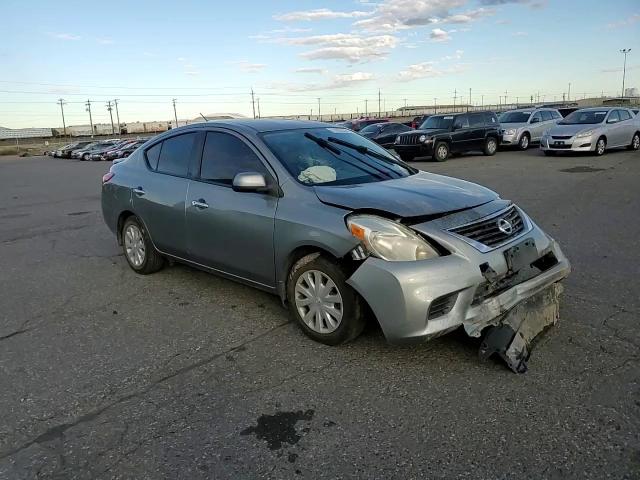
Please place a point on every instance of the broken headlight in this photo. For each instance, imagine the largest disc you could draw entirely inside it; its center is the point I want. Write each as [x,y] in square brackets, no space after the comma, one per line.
[389,240]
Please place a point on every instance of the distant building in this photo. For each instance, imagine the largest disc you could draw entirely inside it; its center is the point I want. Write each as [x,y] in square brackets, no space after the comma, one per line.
[631,92]
[7,133]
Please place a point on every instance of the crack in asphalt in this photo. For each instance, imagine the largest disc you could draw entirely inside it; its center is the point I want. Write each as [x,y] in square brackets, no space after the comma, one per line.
[17,332]
[56,432]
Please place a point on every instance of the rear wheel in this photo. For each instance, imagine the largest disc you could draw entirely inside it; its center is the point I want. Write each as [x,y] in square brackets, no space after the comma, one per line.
[635,142]
[490,146]
[601,146]
[140,253]
[406,157]
[85,157]
[524,142]
[441,152]
[326,308]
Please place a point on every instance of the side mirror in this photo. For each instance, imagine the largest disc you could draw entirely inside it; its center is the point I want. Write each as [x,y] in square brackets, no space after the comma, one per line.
[249,182]
[535,120]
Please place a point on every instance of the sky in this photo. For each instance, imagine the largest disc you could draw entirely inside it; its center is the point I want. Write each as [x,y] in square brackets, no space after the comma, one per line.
[209,55]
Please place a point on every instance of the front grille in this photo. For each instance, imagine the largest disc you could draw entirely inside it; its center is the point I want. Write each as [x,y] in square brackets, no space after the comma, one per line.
[561,137]
[565,147]
[488,232]
[442,305]
[410,139]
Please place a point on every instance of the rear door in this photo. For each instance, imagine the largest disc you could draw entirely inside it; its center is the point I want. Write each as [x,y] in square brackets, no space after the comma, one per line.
[627,126]
[460,136]
[159,195]
[227,230]
[477,131]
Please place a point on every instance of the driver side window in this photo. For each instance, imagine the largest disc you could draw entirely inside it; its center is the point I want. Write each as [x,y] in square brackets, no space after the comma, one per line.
[613,117]
[537,117]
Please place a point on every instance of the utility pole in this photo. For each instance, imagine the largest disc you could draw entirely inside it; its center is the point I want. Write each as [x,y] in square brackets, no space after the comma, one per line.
[253,103]
[113,131]
[366,107]
[64,125]
[569,92]
[624,51]
[319,118]
[435,105]
[405,103]
[469,100]
[258,100]
[505,99]
[175,115]
[482,104]
[88,105]
[455,96]
[379,111]
[117,113]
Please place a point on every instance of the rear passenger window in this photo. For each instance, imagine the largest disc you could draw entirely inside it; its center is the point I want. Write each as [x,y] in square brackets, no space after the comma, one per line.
[546,116]
[225,156]
[490,118]
[476,120]
[175,154]
[624,115]
[153,154]
[461,122]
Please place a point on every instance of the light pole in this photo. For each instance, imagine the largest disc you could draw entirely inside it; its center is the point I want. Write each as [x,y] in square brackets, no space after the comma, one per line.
[88,105]
[64,125]
[624,51]
[117,113]
[175,115]
[113,131]
[319,118]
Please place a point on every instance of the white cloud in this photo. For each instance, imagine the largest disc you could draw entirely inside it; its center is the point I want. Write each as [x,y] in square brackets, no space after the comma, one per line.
[456,56]
[249,67]
[635,18]
[427,70]
[320,71]
[338,81]
[439,35]
[401,14]
[318,14]
[105,41]
[65,36]
[348,79]
[520,34]
[345,46]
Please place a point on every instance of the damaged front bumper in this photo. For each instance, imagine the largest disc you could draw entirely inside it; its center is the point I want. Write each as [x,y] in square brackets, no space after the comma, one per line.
[421,300]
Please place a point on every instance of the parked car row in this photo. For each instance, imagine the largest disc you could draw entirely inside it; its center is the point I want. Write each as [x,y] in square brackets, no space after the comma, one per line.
[439,136]
[111,149]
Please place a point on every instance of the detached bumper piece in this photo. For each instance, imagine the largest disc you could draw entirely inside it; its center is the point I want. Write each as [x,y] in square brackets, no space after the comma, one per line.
[514,337]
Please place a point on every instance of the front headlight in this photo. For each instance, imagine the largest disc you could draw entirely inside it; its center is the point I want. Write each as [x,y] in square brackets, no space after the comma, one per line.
[389,240]
[422,138]
[588,133]
[510,131]
[398,139]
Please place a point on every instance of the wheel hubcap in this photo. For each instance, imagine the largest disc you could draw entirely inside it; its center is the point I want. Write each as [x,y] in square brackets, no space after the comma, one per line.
[525,141]
[134,245]
[600,146]
[442,152]
[318,301]
[491,146]
[636,142]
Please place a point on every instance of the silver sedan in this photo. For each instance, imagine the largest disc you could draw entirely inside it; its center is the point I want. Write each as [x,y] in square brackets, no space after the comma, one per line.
[593,130]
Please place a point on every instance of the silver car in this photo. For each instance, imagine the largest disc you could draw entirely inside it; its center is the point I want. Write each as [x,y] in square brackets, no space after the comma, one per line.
[336,226]
[593,130]
[523,127]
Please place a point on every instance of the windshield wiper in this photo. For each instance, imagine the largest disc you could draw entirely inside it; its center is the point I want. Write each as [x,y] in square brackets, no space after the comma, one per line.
[367,151]
[322,142]
[325,144]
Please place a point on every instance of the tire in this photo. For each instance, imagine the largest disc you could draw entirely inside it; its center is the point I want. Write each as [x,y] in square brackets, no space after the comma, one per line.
[524,142]
[406,157]
[304,300]
[490,146]
[549,153]
[85,157]
[151,260]
[635,142]
[441,152]
[601,147]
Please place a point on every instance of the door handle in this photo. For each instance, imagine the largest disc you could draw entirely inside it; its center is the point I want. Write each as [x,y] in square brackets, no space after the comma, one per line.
[139,191]
[201,204]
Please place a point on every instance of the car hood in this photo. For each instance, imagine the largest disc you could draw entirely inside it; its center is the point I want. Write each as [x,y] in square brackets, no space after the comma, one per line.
[422,194]
[572,129]
[507,126]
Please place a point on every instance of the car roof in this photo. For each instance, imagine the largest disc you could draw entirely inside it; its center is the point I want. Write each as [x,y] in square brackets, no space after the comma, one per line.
[599,109]
[264,125]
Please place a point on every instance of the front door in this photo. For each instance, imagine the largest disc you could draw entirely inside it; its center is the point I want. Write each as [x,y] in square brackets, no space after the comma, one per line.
[477,131]
[461,135]
[231,231]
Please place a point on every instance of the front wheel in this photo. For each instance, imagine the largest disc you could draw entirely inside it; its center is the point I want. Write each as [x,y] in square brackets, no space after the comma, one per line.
[635,142]
[524,142]
[441,152]
[601,147]
[490,146]
[140,253]
[327,309]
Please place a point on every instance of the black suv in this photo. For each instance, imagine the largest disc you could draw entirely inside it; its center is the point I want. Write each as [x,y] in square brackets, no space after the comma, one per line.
[441,135]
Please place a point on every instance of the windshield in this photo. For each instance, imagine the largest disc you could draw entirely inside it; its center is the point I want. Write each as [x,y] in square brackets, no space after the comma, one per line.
[370,129]
[443,122]
[311,163]
[514,117]
[584,117]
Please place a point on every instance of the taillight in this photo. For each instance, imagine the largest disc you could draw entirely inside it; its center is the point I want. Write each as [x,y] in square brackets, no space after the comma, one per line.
[107,176]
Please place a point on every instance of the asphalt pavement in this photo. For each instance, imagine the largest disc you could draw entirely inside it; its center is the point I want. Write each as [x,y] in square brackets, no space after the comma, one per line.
[181,374]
